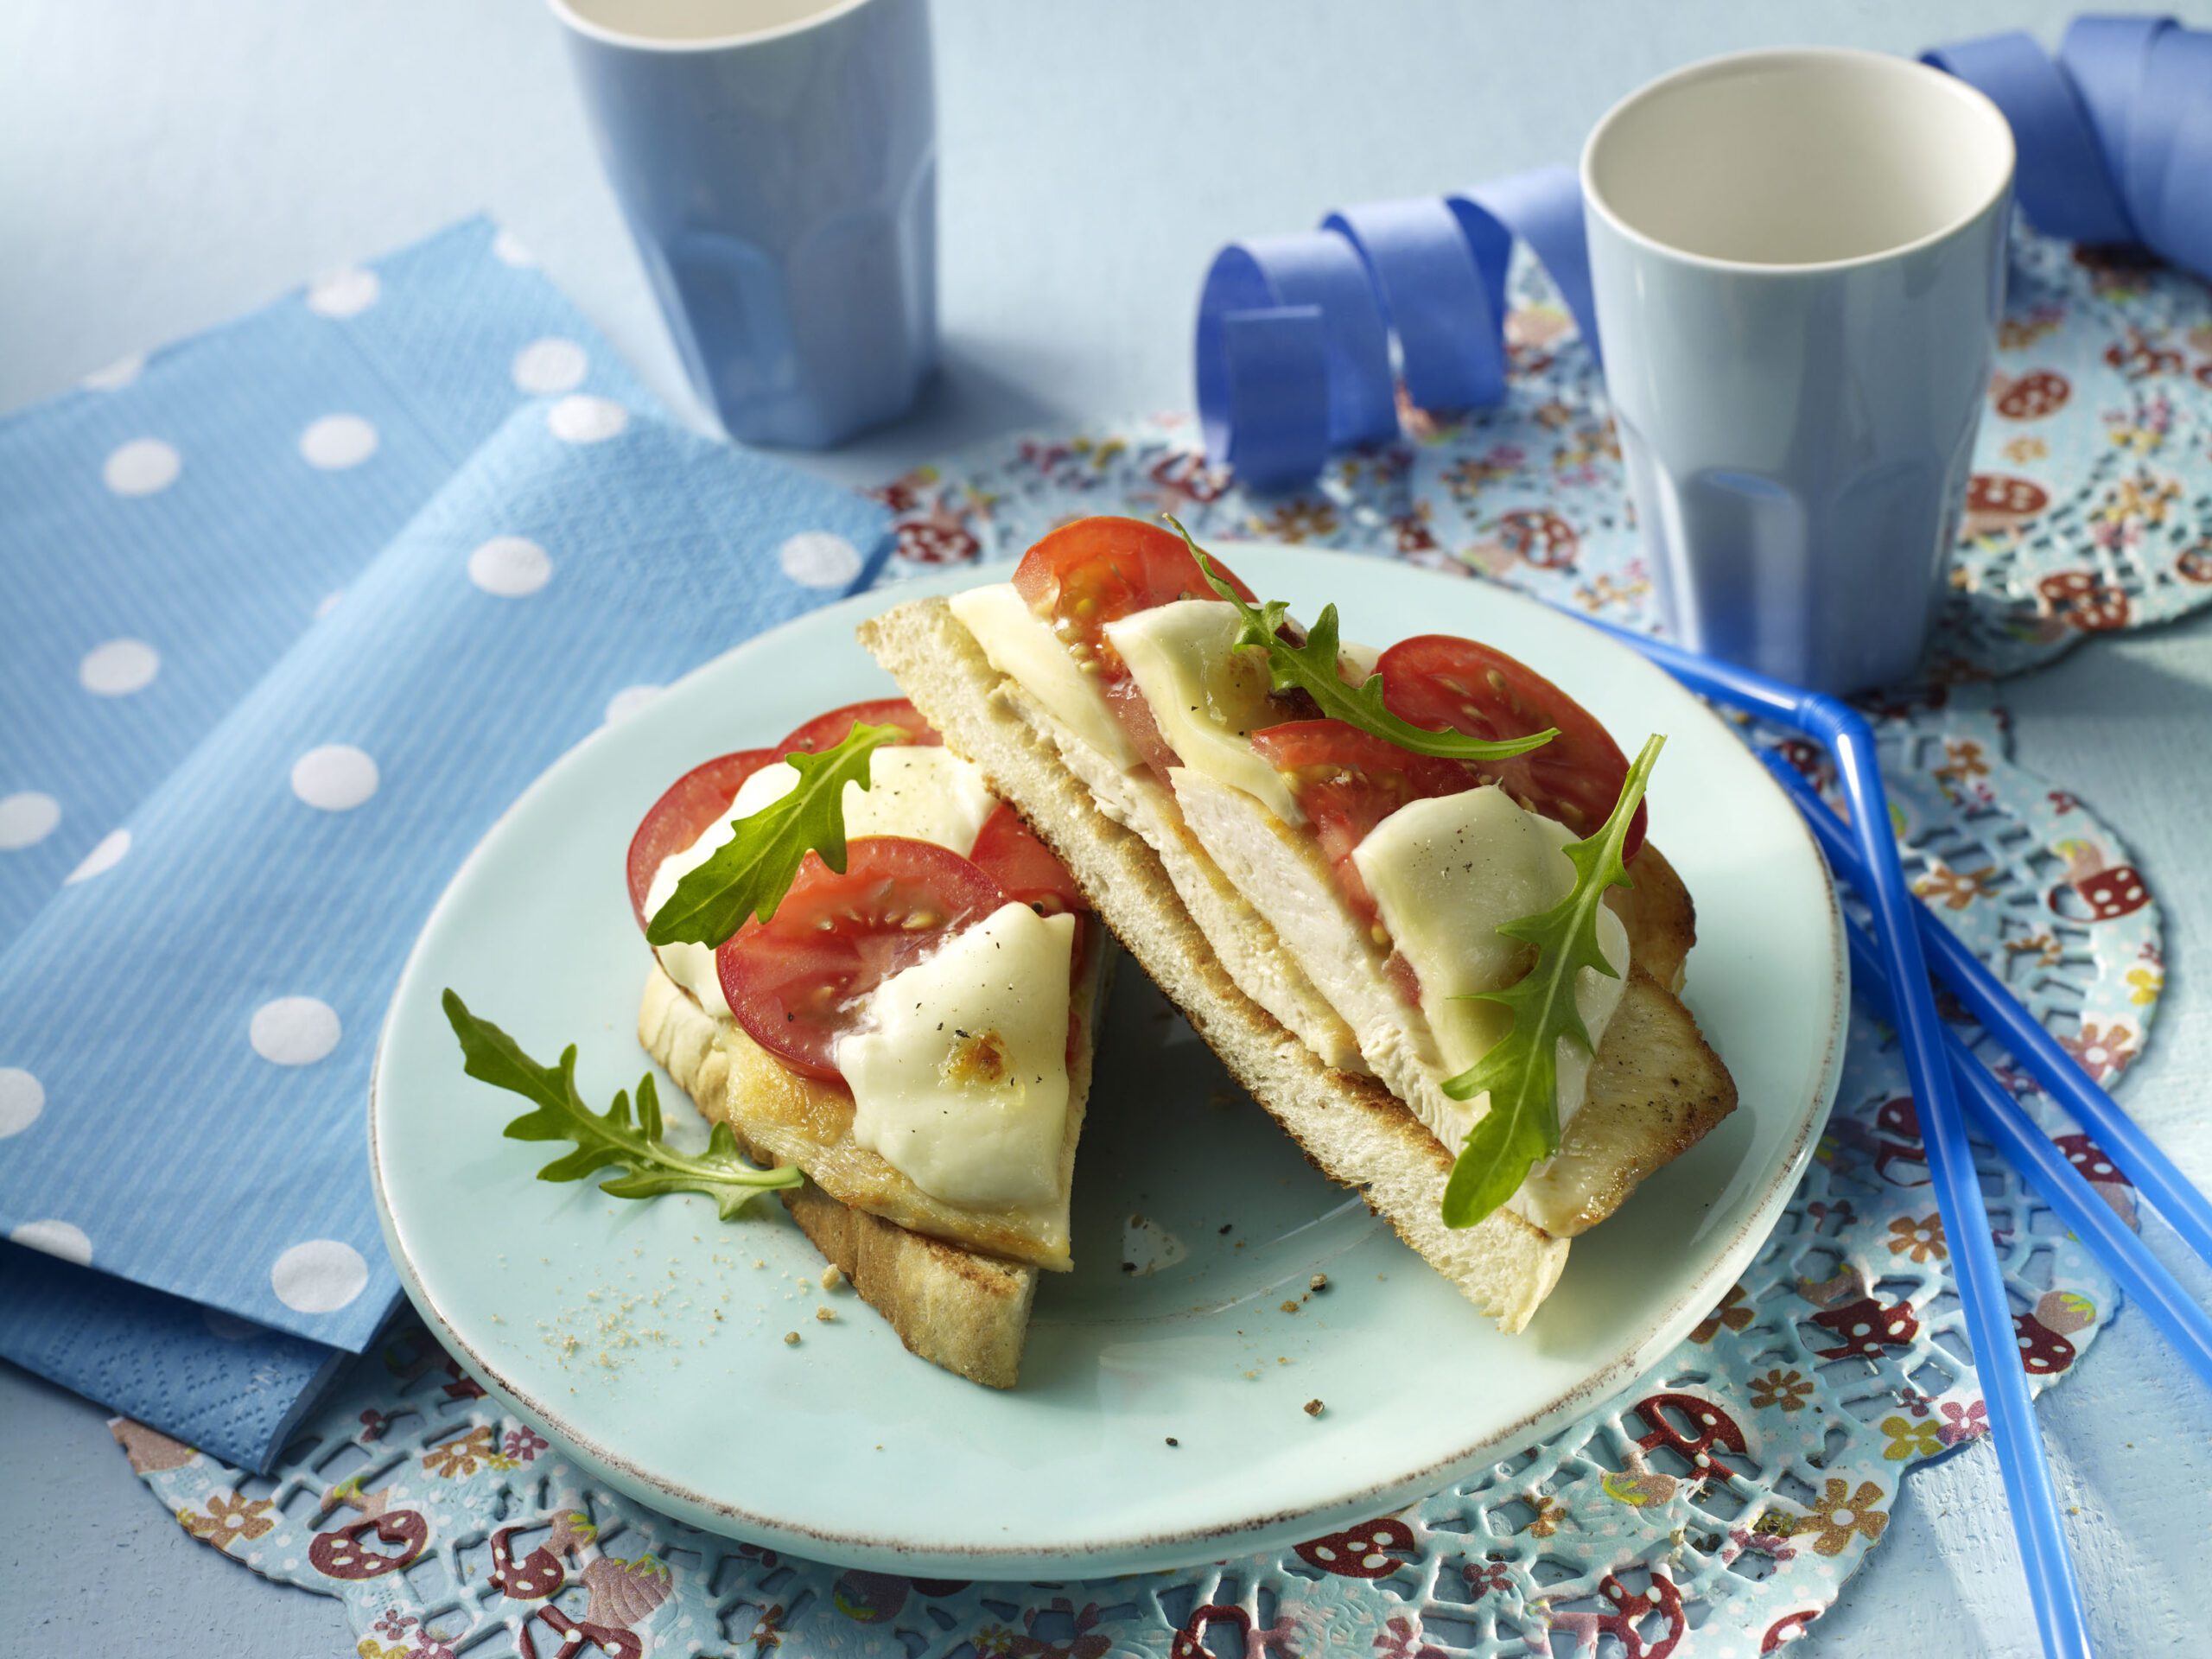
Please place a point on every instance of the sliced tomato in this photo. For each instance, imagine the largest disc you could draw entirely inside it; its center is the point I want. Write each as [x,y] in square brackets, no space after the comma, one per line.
[1008,851]
[792,982]
[1346,782]
[827,731]
[1098,570]
[1439,681]
[682,815]
[1095,571]
[694,801]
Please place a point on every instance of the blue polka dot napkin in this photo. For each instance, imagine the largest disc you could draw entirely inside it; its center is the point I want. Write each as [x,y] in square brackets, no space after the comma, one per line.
[294,609]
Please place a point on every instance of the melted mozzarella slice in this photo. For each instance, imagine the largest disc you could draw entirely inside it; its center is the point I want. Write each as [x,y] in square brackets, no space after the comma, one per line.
[927,794]
[1207,694]
[959,1071]
[1021,647]
[1445,873]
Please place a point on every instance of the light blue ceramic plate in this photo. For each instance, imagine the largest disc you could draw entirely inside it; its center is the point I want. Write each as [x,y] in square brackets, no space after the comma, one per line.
[1161,1418]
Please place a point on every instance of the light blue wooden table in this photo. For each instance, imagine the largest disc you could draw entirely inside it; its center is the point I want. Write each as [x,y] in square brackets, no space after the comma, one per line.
[165,164]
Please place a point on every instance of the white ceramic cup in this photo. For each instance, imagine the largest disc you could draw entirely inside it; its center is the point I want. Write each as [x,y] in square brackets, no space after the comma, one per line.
[1799,262]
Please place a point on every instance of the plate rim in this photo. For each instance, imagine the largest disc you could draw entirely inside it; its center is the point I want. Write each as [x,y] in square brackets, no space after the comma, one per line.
[1130,1550]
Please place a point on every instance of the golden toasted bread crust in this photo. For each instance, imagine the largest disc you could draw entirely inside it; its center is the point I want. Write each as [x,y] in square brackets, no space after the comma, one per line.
[955,1307]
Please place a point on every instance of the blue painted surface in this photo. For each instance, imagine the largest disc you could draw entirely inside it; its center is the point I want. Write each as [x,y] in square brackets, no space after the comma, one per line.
[165,168]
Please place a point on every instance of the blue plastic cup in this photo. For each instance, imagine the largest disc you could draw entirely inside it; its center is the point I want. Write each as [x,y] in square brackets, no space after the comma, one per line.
[777,163]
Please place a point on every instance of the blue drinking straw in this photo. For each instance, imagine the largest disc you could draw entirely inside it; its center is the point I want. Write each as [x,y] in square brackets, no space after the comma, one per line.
[2186,1209]
[2064,1187]
[1843,731]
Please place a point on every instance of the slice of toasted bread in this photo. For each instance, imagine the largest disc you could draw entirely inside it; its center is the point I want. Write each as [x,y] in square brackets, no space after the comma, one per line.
[795,1120]
[959,1308]
[1602,1156]
[1190,930]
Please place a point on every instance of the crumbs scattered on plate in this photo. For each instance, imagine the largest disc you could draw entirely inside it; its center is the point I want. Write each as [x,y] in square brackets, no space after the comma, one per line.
[628,1315]
[615,1322]
[1315,1407]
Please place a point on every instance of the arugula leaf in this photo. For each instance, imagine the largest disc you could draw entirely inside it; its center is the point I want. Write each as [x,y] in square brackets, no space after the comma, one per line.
[605,1140]
[751,872]
[1520,1071]
[1312,668]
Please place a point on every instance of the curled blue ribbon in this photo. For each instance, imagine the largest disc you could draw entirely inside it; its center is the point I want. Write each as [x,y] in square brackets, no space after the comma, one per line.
[1296,333]
[1302,341]
[2115,134]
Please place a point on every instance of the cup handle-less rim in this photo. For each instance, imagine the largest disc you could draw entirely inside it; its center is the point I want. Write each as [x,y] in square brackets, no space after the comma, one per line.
[575,21]
[1973,97]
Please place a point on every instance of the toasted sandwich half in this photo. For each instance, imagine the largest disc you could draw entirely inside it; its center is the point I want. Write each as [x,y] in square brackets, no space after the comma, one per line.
[1322,904]
[915,1032]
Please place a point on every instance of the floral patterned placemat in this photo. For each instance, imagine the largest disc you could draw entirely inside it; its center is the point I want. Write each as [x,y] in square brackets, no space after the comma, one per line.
[1717,1508]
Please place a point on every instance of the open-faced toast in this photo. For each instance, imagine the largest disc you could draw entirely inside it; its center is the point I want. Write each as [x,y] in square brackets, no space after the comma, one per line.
[963,1309]
[1653,1088]
[937,1176]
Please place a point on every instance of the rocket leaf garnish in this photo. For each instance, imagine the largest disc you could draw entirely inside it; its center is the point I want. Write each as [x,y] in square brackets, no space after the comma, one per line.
[750,872]
[1313,668]
[608,1140]
[1519,1073]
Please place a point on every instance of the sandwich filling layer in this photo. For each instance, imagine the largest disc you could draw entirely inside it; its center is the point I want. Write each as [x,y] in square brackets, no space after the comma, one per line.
[958,1065]
[928,793]
[1094,741]
[1395,928]
[956,1062]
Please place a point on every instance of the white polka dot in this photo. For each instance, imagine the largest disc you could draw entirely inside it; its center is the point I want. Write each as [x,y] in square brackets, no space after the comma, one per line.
[626,702]
[228,1326]
[62,1238]
[336,776]
[26,818]
[22,1097]
[510,566]
[319,1276]
[507,248]
[142,466]
[343,293]
[337,442]
[103,858]
[815,558]
[582,418]
[549,365]
[328,604]
[119,668]
[117,374]
[293,1030]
